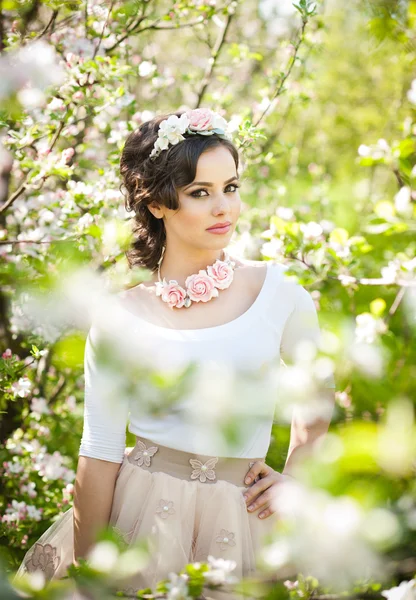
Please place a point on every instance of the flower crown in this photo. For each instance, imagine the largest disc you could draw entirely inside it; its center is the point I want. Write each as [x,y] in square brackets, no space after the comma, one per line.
[202,121]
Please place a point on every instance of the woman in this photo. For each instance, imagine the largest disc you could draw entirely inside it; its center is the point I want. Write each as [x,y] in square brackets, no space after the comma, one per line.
[184,486]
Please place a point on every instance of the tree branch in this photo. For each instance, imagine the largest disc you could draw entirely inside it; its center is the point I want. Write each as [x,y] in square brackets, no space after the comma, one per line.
[49,24]
[97,47]
[25,184]
[292,60]
[213,59]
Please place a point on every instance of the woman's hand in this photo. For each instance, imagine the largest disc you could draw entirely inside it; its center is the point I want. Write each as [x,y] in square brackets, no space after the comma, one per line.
[261,493]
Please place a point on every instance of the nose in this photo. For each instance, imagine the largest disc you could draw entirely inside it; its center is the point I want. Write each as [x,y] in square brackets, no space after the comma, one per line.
[222,205]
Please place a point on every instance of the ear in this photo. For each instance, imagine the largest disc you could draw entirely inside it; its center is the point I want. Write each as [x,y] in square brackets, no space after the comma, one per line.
[156,210]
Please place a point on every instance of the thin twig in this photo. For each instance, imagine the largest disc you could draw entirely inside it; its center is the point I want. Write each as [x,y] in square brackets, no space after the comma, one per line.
[153,26]
[396,303]
[282,81]
[49,24]
[103,30]
[25,184]
[57,390]
[5,242]
[213,59]
[132,27]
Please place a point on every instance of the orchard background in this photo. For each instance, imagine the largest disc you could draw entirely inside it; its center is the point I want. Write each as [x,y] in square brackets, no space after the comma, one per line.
[322,102]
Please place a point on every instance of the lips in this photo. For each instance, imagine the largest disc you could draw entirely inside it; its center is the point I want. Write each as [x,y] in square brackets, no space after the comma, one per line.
[217,230]
[218,226]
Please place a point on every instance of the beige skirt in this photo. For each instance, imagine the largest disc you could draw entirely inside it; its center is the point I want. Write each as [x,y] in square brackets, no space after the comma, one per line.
[186,506]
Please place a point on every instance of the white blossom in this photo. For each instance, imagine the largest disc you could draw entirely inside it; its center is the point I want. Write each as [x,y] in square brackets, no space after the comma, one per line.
[177,587]
[39,406]
[407,589]
[368,327]
[34,513]
[284,212]
[402,200]
[272,249]
[411,94]
[220,570]
[311,230]
[22,387]
[146,68]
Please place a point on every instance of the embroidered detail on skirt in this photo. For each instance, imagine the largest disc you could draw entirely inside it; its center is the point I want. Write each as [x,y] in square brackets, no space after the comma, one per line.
[144,455]
[225,539]
[203,471]
[165,509]
[44,558]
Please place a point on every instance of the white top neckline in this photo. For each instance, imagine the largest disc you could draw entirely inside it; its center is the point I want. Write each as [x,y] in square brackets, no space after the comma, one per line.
[210,332]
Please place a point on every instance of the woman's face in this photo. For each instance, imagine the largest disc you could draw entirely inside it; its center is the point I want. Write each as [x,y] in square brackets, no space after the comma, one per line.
[203,205]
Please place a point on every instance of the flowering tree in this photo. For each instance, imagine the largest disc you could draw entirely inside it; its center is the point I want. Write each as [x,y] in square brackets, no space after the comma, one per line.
[328,141]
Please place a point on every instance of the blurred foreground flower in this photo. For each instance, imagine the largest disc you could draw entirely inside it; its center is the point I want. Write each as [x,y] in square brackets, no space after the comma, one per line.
[322,535]
[30,70]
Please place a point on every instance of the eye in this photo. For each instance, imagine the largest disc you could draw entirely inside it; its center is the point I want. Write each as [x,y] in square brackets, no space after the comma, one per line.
[234,185]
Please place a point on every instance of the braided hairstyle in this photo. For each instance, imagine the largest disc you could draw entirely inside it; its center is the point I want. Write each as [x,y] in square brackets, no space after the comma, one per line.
[146,181]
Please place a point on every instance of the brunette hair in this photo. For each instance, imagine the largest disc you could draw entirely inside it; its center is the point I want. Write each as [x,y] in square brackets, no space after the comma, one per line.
[147,181]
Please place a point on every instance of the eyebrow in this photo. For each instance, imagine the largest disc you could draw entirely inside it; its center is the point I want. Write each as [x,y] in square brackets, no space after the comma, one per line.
[208,183]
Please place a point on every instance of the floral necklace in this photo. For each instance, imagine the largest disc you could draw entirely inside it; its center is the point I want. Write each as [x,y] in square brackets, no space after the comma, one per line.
[201,287]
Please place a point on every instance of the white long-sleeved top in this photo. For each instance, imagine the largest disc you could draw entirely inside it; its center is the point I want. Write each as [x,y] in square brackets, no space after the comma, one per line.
[236,383]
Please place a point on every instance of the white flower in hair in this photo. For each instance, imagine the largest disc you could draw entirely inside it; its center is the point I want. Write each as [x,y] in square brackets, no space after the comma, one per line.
[170,132]
[202,121]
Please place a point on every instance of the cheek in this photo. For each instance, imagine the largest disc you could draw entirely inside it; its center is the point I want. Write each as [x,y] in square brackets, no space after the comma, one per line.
[190,214]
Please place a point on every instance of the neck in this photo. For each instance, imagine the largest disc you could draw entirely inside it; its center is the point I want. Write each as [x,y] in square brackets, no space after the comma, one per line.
[179,265]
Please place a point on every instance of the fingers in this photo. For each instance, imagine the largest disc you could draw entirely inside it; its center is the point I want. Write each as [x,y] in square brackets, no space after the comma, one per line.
[262,501]
[251,494]
[259,468]
[260,495]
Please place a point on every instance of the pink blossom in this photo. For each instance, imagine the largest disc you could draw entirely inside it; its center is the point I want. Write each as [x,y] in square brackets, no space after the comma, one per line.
[13,467]
[43,152]
[56,105]
[221,273]
[39,406]
[72,59]
[67,154]
[173,294]
[7,353]
[71,403]
[29,489]
[200,119]
[78,95]
[67,493]
[201,287]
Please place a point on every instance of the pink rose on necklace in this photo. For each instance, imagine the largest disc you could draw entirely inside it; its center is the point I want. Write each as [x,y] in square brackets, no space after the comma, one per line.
[172,293]
[221,273]
[200,119]
[201,287]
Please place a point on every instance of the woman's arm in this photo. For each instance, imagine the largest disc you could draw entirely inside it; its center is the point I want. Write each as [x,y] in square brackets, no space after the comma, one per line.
[93,498]
[303,325]
[102,446]
[304,435]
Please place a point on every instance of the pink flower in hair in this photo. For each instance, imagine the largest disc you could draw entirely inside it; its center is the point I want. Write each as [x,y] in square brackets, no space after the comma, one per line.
[221,273]
[200,119]
[201,287]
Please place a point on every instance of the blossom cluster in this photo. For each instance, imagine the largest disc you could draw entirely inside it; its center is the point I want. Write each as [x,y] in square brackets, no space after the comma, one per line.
[18,511]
